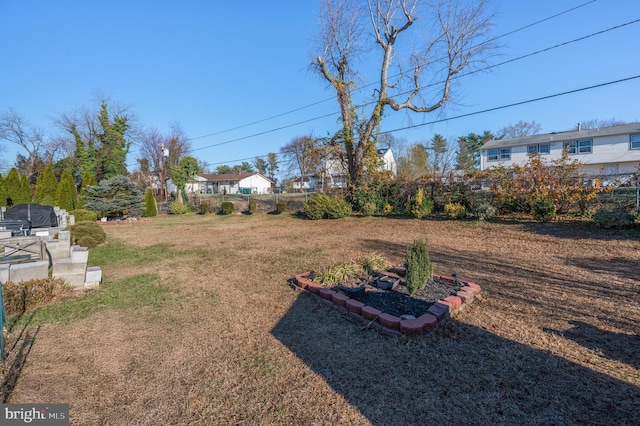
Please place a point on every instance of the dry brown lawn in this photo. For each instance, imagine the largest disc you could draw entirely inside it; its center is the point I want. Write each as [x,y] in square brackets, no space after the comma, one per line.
[555,341]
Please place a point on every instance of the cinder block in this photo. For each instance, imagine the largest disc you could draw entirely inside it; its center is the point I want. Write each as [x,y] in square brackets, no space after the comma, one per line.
[58,249]
[72,220]
[4,272]
[29,271]
[66,266]
[64,236]
[76,281]
[93,277]
[79,254]
[5,234]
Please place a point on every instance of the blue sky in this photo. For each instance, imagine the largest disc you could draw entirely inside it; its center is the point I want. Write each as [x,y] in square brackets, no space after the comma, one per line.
[212,66]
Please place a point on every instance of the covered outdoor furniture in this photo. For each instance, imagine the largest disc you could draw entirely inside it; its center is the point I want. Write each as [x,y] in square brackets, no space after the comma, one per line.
[40,216]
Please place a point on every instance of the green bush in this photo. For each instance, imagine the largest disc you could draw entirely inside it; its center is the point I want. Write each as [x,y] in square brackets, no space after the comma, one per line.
[252,207]
[339,273]
[484,211]
[205,207]
[373,263]
[87,234]
[455,211]
[543,210]
[418,266]
[419,206]
[614,218]
[82,215]
[226,207]
[322,206]
[178,208]
[281,206]
[150,209]
[26,296]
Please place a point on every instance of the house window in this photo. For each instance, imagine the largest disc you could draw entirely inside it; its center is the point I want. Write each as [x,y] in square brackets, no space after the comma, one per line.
[499,154]
[579,147]
[539,149]
[635,141]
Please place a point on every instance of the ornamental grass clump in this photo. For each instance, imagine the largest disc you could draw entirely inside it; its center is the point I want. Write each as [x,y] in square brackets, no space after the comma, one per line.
[418,266]
[281,206]
[25,296]
[373,263]
[339,273]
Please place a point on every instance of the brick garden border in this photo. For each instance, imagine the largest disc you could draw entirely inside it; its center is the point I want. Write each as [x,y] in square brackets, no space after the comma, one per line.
[439,312]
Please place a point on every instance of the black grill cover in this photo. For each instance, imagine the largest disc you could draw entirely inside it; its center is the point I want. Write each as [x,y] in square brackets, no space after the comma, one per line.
[40,216]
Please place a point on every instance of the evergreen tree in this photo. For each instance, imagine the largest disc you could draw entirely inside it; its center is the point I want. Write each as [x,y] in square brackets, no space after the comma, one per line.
[24,195]
[464,156]
[66,195]
[150,204]
[87,180]
[46,187]
[113,150]
[12,182]
[3,192]
[115,197]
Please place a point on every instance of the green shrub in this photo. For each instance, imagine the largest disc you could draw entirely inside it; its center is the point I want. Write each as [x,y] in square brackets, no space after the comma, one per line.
[387,210]
[227,207]
[455,211]
[322,206]
[614,218]
[543,210]
[338,273]
[373,263]
[281,206]
[178,208]
[484,211]
[205,207]
[252,207]
[419,206]
[150,209]
[418,266]
[82,215]
[89,233]
[26,296]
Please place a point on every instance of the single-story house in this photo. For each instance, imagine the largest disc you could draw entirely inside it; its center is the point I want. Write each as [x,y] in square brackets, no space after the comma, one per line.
[606,151]
[236,183]
[336,175]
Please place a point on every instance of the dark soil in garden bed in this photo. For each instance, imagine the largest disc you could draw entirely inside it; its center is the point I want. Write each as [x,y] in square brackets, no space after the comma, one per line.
[398,302]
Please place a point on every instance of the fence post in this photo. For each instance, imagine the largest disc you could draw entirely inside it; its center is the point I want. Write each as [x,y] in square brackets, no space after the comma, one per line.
[2,321]
[638,192]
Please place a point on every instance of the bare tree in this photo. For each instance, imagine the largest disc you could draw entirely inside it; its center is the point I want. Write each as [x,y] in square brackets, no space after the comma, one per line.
[595,123]
[519,130]
[15,129]
[302,156]
[454,34]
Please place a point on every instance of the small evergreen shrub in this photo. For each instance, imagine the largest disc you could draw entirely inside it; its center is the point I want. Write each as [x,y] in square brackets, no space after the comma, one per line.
[322,206]
[178,208]
[418,266]
[205,207]
[419,206]
[543,210]
[281,207]
[26,296]
[455,211]
[82,215]
[484,211]
[615,218]
[226,207]
[252,207]
[150,209]
[87,234]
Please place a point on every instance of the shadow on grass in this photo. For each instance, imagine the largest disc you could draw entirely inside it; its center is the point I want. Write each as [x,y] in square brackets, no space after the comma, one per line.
[459,375]
[17,357]
[614,346]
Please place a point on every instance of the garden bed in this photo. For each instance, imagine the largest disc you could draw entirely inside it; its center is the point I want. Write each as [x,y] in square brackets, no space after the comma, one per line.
[395,310]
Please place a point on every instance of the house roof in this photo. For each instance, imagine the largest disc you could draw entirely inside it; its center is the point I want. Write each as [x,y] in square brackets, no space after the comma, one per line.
[230,177]
[563,136]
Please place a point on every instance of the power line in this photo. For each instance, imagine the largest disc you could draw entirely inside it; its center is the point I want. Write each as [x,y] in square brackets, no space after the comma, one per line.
[555,95]
[371,84]
[430,85]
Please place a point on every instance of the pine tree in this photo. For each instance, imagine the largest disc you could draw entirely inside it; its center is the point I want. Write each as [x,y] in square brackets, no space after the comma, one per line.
[66,195]
[12,182]
[150,204]
[3,192]
[87,180]
[115,197]
[46,187]
[24,196]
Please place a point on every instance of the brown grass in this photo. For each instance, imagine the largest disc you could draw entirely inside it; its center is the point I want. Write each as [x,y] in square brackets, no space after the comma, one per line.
[555,340]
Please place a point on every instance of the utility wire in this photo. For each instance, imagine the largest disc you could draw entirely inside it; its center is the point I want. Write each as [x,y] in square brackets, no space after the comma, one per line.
[555,95]
[430,85]
[371,84]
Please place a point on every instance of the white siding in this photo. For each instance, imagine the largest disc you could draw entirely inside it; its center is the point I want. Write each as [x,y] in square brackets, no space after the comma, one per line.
[257,183]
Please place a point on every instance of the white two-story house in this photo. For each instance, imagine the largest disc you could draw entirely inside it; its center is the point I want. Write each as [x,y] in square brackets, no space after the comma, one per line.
[607,151]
